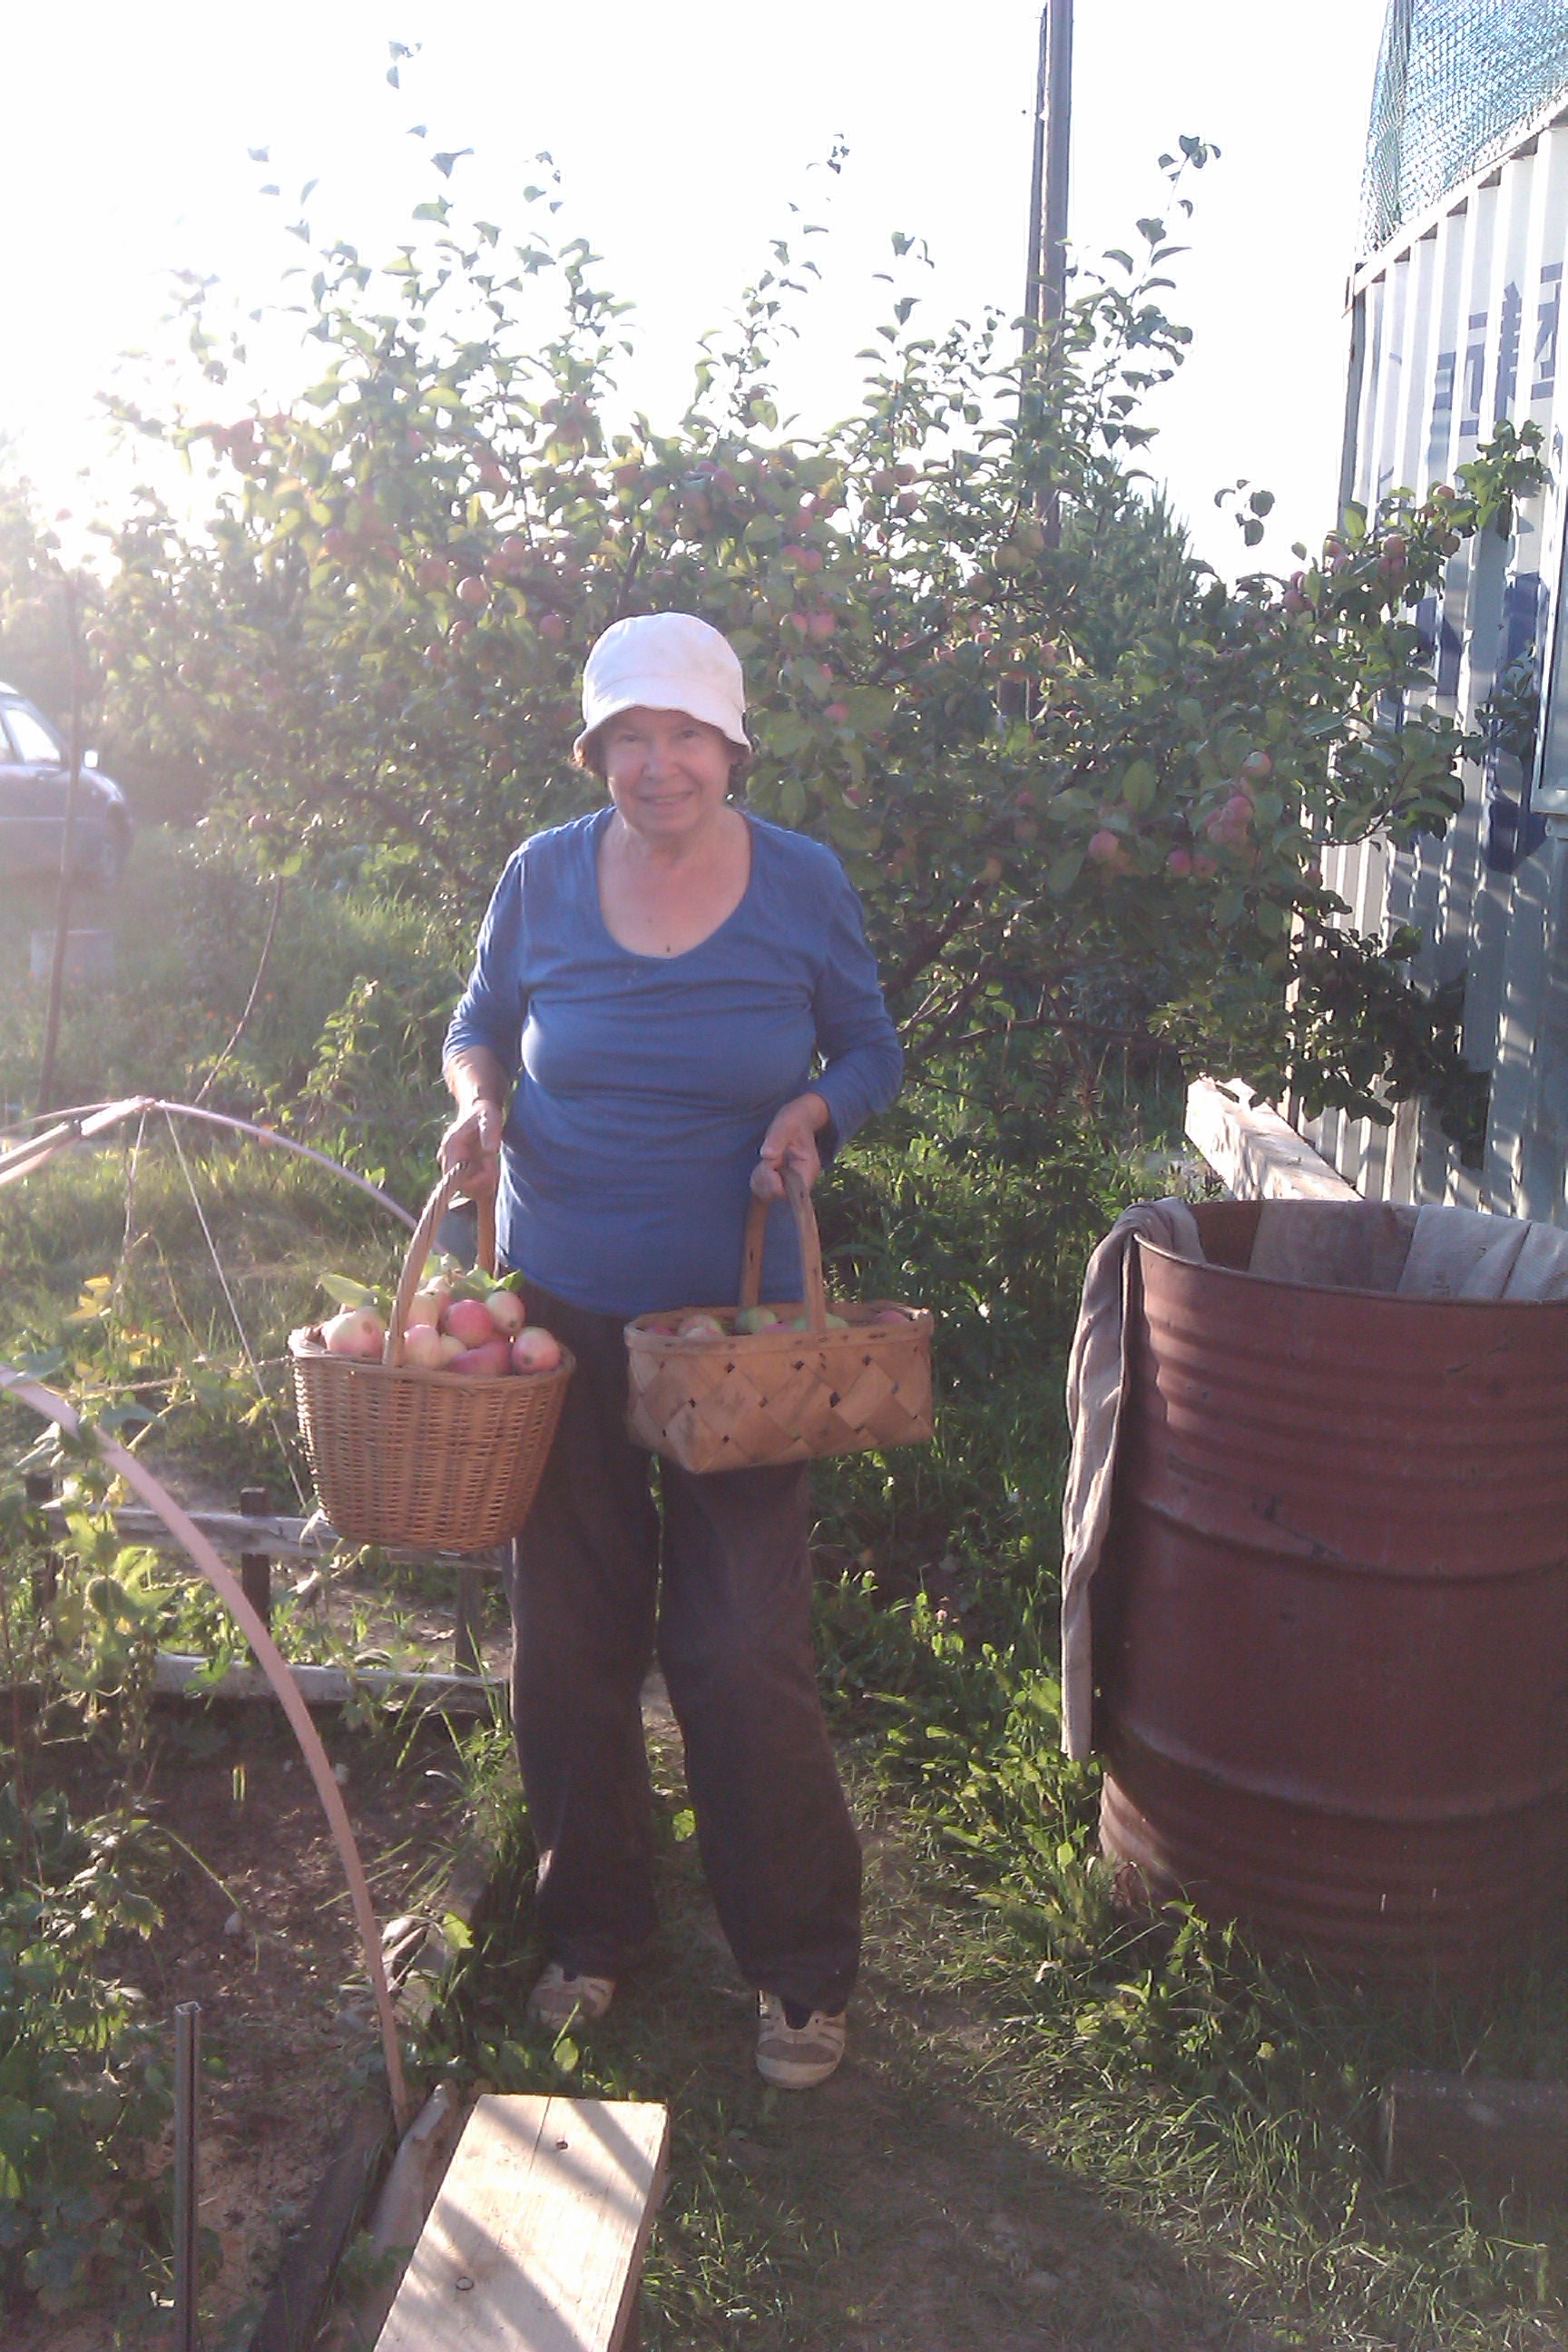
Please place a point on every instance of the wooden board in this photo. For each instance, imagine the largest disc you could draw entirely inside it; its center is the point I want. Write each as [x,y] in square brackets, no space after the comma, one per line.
[1252,1150]
[536,2240]
[307,2260]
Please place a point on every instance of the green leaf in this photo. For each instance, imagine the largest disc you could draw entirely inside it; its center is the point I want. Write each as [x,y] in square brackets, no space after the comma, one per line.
[345,1292]
[1140,786]
[1064,872]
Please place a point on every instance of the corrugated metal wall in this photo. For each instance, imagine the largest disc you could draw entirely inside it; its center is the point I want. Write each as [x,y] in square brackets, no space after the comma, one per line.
[1454,327]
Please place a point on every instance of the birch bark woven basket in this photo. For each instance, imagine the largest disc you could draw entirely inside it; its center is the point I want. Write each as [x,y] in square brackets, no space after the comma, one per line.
[410,1457]
[744,1399]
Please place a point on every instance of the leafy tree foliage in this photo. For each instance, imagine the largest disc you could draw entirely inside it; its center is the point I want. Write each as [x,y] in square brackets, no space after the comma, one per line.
[1081,783]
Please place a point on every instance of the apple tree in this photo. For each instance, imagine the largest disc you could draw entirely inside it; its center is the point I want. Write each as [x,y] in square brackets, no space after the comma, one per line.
[1081,783]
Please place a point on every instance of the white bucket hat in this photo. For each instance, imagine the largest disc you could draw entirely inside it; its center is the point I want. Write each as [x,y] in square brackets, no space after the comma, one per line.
[665,661]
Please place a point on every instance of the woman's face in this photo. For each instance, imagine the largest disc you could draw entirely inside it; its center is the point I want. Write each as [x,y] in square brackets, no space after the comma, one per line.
[668,773]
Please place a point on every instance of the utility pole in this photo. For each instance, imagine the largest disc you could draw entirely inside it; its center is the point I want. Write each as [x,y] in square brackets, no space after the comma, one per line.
[1044,293]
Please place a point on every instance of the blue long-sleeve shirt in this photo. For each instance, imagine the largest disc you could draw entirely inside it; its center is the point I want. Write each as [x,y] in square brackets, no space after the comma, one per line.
[644,1085]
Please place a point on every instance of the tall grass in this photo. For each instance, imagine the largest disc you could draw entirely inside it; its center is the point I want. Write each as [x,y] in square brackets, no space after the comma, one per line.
[342,1042]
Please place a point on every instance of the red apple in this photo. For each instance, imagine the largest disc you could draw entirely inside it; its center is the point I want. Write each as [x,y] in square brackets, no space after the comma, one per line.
[535,1349]
[488,1362]
[358,1333]
[426,1349]
[506,1311]
[470,1320]
[428,1304]
[473,592]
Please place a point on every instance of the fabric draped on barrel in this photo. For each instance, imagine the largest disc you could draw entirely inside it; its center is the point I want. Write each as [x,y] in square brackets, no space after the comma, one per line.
[1330,1620]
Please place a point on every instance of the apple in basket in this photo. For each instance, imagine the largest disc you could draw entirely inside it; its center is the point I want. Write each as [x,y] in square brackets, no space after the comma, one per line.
[426,1349]
[487,1361]
[535,1349]
[358,1333]
[470,1320]
[506,1311]
[429,1304]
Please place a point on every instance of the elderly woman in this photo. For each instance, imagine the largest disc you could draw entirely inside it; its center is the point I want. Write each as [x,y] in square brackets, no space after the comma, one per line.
[679,1001]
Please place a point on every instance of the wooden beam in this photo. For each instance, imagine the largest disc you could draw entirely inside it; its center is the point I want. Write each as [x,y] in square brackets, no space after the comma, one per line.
[307,2261]
[284,1538]
[535,2242]
[1253,1151]
[174,1674]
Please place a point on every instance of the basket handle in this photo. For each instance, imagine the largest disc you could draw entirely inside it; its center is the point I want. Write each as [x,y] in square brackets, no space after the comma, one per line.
[430,1216]
[798,1194]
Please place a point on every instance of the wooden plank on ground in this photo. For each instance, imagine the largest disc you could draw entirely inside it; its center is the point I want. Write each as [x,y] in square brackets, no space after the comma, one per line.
[536,2240]
[306,2263]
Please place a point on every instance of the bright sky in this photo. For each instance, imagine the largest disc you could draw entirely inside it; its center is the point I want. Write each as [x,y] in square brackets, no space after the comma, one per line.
[683,134]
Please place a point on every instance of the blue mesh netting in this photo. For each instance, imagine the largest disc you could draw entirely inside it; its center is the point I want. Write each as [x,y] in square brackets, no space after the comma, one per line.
[1455,80]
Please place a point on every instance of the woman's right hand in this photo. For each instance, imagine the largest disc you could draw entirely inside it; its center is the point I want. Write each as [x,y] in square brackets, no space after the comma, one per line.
[471,1148]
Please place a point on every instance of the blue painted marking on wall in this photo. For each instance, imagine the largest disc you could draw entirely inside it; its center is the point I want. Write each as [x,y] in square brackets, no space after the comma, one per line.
[1547,319]
[1508,352]
[1475,377]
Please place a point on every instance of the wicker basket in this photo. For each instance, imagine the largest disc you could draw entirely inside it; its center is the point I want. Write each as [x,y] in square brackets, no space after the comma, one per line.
[778,1395]
[429,1459]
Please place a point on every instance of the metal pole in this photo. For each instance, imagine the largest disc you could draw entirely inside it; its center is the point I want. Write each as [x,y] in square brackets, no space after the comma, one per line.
[187,2062]
[256,1567]
[67,853]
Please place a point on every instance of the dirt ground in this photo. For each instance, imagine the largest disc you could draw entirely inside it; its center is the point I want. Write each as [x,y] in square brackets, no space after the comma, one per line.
[903,2208]
[259,1932]
[906,2207]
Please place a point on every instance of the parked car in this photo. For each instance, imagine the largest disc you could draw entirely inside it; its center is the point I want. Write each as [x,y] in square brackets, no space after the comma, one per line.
[35,776]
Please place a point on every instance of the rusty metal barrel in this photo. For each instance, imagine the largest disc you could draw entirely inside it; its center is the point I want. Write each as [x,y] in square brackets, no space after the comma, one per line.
[1330,1623]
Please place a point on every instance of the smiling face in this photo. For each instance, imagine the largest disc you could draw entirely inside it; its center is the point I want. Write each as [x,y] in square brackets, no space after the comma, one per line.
[668,773]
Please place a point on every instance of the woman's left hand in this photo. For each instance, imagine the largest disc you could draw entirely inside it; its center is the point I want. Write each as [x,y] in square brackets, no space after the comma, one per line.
[791,1142]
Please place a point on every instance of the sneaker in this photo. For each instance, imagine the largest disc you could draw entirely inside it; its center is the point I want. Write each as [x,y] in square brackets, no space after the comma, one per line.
[561,1997]
[796,2057]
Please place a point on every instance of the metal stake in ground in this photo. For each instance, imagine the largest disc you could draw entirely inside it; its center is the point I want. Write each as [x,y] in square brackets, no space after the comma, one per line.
[188,2062]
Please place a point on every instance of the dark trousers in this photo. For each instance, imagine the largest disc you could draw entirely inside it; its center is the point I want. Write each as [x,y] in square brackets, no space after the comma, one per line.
[726,1600]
